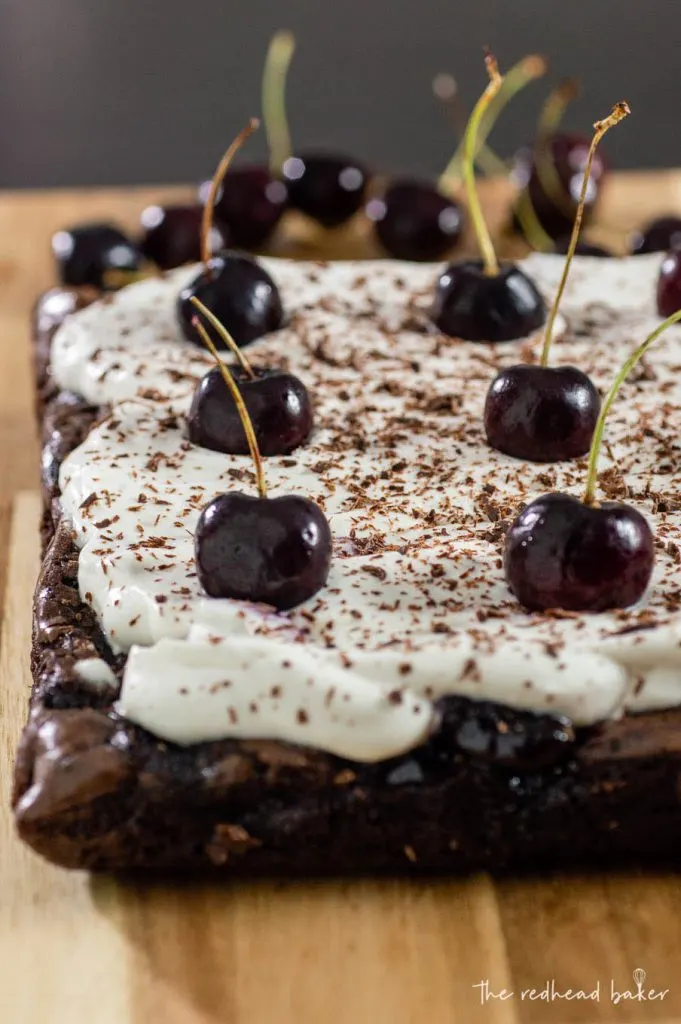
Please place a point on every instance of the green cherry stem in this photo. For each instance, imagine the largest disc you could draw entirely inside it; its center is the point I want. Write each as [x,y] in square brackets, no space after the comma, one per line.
[521,74]
[277,61]
[489,257]
[531,225]
[554,107]
[592,472]
[240,406]
[225,335]
[222,168]
[619,112]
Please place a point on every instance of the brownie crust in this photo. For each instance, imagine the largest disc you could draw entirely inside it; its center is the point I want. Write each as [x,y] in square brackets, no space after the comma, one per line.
[492,788]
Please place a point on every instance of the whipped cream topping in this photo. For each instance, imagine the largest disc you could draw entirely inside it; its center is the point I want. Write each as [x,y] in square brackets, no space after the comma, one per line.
[416,605]
[96,674]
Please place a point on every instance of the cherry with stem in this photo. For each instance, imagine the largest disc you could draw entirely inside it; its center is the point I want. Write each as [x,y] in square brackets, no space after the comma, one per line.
[524,212]
[551,172]
[529,69]
[543,413]
[244,418]
[252,197]
[175,235]
[275,551]
[278,404]
[550,118]
[417,220]
[585,555]
[327,187]
[236,288]
[480,300]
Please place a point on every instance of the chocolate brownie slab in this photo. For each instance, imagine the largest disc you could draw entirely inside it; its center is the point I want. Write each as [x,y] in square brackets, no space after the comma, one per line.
[487,785]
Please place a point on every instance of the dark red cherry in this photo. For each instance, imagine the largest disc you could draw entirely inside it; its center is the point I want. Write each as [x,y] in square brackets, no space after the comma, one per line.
[85,253]
[583,249]
[567,153]
[414,221]
[541,413]
[250,204]
[240,293]
[272,550]
[658,236]
[172,235]
[277,402]
[669,284]
[476,306]
[561,553]
[328,187]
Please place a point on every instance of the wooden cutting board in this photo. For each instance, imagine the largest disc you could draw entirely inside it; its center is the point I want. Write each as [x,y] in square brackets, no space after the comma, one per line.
[75,949]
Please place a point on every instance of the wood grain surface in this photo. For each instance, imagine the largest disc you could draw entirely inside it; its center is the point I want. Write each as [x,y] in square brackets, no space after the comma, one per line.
[76,950]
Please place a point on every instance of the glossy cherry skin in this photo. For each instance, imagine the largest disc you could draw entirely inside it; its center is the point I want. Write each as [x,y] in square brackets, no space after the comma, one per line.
[561,553]
[329,187]
[240,293]
[84,254]
[582,249]
[658,236]
[541,413]
[476,306]
[172,235]
[271,550]
[277,402]
[250,204]
[414,221]
[669,284]
[568,152]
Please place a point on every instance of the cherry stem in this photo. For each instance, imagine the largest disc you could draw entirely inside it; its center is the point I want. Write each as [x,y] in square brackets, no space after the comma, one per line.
[480,228]
[619,112]
[530,224]
[521,74]
[222,168]
[225,335]
[277,61]
[555,105]
[592,473]
[246,421]
[446,90]
[551,115]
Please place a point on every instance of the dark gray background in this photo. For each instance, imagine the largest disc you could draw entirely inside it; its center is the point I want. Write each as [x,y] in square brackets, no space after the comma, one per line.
[124,91]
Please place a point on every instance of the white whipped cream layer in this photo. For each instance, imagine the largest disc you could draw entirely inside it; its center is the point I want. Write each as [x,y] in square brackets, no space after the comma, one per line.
[416,606]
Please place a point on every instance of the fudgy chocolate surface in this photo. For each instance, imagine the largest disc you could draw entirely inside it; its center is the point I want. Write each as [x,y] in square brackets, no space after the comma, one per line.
[493,788]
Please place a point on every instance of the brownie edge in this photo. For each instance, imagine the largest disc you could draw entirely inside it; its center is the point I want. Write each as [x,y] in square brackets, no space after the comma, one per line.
[92,792]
